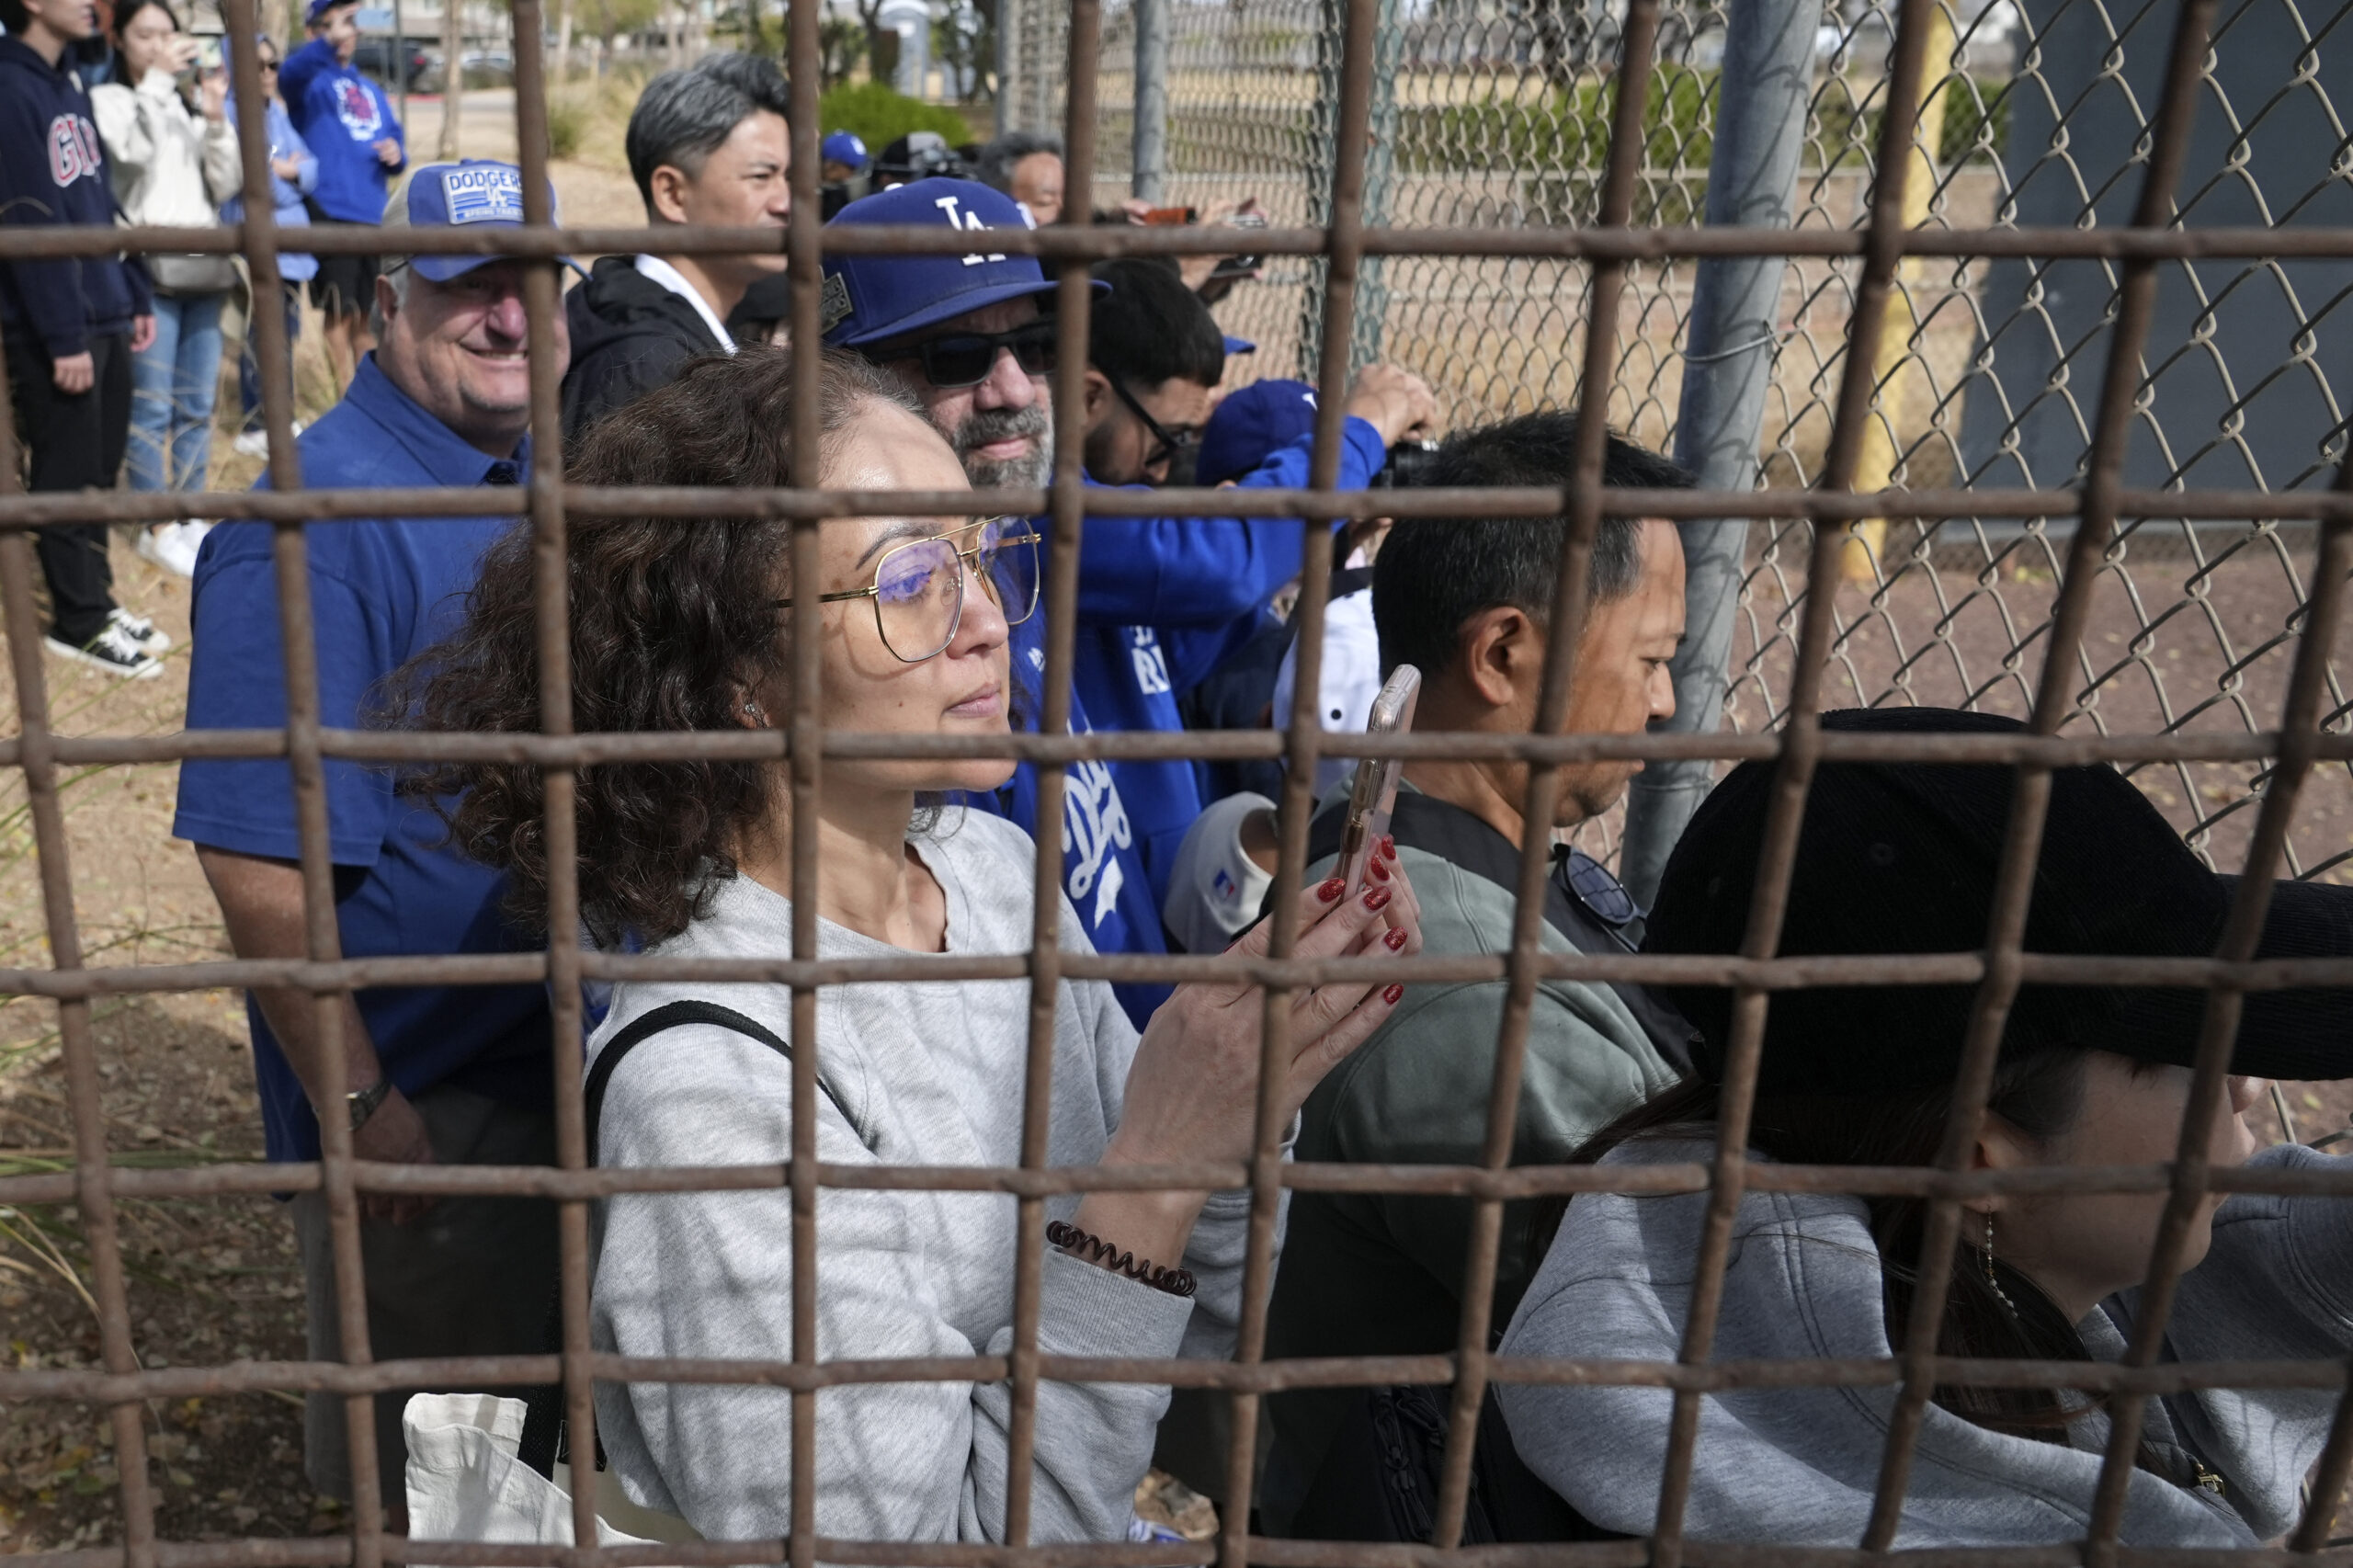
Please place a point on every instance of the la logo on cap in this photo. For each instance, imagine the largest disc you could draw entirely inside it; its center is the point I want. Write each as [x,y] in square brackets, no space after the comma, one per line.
[959,219]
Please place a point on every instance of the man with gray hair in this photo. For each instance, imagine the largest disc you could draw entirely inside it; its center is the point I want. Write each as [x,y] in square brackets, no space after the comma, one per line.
[708,145]
[1029,168]
[431,1074]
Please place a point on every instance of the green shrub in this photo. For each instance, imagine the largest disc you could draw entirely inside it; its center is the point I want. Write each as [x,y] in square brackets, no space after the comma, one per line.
[567,124]
[880,116]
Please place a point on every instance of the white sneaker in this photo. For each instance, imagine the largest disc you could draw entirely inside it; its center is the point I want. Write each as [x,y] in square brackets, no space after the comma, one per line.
[255,443]
[140,629]
[173,547]
[111,650]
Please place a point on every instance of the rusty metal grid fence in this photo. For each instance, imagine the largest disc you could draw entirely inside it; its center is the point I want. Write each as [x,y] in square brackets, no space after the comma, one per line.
[2292,743]
[2029,113]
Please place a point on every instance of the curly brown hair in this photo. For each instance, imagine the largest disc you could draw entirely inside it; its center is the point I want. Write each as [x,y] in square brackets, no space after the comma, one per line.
[672,624]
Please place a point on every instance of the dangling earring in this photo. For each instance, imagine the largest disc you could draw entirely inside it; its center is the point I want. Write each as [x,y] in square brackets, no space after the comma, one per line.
[1992,1283]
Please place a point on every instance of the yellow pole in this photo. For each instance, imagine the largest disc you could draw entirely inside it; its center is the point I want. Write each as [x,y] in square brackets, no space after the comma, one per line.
[1892,371]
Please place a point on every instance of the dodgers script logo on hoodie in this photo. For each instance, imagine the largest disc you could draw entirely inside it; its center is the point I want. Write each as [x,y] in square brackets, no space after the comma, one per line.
[74,151]
[355,107]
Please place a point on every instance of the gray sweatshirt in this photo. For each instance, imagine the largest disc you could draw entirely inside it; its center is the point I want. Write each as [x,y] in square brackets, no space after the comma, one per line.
[1797,1466]
[926,1074]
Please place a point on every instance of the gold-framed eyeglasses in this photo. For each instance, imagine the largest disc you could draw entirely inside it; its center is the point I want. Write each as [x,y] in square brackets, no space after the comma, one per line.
[918,587]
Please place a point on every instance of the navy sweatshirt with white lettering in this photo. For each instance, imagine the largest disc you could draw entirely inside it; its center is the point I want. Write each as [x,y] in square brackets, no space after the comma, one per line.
[53,171]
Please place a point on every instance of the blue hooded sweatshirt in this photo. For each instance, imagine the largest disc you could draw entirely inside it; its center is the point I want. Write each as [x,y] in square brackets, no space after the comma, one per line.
[1162,602]
[53,171]
[1103,871]
[342,115]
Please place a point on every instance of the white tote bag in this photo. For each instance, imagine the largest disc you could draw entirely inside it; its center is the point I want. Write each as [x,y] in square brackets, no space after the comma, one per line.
[466,1484]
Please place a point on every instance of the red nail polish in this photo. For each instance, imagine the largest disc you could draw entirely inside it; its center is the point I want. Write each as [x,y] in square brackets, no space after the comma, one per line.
[1332,890]
[1377,869]
[1395,994]
[1396,941]
[1389,845]
[1376,898]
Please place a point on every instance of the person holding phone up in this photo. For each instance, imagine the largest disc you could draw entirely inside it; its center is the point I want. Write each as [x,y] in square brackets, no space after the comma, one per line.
[692,631]
[174,166]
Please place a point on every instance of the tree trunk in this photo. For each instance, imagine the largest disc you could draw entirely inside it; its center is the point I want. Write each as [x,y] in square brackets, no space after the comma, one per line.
[564,44]
[453,78]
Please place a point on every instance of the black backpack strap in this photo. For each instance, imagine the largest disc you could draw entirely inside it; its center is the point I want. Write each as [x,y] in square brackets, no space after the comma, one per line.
[544,1440]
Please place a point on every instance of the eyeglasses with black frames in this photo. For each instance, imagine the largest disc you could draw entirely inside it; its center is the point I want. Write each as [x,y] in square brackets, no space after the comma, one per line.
[918,589]
[1174,444]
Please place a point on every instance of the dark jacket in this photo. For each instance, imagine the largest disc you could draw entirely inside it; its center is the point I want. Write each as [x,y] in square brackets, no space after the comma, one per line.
[54,170]
[630,335]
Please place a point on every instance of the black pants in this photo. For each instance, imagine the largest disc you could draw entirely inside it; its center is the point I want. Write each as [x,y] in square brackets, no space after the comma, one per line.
[73,443]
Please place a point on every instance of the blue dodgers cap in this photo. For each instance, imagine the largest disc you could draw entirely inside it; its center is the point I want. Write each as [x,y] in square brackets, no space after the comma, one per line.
[868,298]
[844,147]
[321,8]
[1239,345]
[446,195]
[1252,424]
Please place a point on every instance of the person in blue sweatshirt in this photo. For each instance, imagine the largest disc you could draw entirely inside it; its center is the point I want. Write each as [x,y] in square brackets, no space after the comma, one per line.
[967,337]
[71,326]
[1152,626]
[348,124]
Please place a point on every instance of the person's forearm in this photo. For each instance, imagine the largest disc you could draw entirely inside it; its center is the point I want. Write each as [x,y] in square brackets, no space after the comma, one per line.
[261,904]
[293,1018]
[1156,1227]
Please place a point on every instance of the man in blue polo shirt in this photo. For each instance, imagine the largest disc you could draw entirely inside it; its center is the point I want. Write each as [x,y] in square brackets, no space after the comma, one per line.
[965,334]
[447,1074]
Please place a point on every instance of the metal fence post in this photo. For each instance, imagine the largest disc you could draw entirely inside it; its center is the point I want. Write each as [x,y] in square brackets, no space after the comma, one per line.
[1767,83]
[1368,333]
[1150,179]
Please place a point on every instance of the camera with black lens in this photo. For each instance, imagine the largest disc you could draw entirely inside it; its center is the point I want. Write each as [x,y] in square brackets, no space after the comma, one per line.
[1409,466]
[920,155]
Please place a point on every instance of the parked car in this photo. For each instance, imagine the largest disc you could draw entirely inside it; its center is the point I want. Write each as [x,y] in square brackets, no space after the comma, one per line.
[376,55]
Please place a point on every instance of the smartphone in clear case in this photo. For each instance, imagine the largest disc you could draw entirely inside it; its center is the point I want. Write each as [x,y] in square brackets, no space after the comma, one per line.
[1374,795]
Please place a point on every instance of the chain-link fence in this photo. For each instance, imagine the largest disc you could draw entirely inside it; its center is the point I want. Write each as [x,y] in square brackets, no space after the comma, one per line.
[1494,115]
[1867,304]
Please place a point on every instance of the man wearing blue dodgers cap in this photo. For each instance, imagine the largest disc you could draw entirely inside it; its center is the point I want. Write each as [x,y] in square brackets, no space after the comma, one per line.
[965,335]
[977,319]
[434,1075]
[842,162]
[349,126]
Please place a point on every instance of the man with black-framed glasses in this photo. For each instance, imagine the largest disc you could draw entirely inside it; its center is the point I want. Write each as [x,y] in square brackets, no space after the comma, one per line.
[969,337]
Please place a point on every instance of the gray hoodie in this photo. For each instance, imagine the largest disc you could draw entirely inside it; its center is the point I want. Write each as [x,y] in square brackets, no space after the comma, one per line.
[1797,1466]
[911,1073]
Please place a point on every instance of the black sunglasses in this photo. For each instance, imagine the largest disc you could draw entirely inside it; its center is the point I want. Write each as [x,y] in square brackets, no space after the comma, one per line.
[965,359]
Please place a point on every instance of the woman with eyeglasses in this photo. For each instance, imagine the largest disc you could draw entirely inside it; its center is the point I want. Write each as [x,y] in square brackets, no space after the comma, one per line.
[293,172]
[686,625]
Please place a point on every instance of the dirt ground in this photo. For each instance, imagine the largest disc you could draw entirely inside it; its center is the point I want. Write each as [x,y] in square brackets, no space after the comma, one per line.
[218,1281]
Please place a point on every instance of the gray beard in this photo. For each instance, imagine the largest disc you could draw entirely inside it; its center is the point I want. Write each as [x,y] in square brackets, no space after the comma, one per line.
[985,425]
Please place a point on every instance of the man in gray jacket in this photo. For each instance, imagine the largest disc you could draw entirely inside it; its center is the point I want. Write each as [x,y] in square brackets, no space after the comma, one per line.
[1468,602]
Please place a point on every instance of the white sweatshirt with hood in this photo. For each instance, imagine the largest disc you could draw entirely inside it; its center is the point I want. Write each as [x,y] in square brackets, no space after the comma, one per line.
[1799,1466]
[171,166]
[910,1073]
